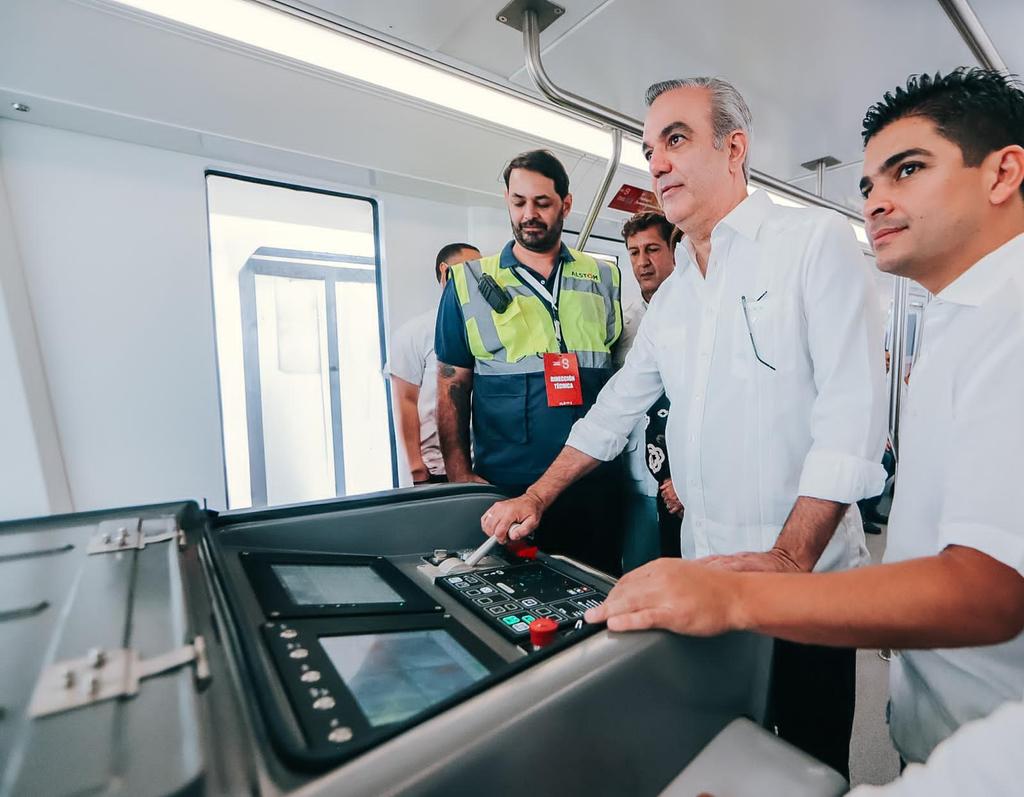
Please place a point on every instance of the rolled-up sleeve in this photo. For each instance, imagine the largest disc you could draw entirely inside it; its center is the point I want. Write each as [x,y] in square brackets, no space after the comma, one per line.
[846,342]
[603,431]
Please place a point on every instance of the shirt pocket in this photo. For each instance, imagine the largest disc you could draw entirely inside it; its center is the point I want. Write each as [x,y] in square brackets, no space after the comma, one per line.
[670,353]
[499,408]
[765,338]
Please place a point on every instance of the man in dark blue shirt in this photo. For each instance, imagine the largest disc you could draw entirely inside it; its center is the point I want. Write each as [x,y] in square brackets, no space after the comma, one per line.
[523,343]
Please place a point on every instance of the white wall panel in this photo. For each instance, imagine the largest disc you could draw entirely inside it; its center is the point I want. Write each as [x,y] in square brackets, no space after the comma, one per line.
[114,241]
[32,479]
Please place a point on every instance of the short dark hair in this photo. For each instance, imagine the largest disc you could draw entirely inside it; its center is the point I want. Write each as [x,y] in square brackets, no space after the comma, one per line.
[979,110]
[645,221]
[542,162]
[447,251]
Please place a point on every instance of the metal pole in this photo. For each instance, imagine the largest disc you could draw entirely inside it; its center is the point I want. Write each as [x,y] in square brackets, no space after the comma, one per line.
[969,27]
[897,353]
[602,191]
[612,118]
[819,173]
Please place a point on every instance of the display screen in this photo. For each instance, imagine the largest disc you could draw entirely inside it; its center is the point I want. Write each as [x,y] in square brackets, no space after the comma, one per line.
[396,675]
[316,584]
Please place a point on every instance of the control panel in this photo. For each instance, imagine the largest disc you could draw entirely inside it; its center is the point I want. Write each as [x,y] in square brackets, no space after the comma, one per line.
[510,598]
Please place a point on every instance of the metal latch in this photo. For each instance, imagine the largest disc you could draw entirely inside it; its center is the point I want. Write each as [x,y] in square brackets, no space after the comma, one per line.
[133,533]
[107,674]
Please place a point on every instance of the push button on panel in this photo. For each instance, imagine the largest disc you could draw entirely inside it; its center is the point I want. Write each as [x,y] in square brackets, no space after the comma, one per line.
[310,676]
[298,653]
[323,703]
[289,633]
[510,620]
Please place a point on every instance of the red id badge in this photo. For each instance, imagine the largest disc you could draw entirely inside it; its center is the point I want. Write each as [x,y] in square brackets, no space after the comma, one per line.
[562,378]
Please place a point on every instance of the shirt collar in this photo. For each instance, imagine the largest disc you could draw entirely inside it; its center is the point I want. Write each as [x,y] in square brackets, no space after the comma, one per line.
[746,219]
[984,278]
[508,260]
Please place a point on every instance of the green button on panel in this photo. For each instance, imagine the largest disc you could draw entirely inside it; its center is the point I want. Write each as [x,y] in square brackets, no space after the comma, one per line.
[510,620]
[528,618]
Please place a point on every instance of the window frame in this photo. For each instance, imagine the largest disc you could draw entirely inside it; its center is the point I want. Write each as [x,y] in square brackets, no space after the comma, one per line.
[247,272]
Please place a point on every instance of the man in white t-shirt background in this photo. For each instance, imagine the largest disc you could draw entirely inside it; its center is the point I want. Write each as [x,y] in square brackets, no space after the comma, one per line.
[412,367]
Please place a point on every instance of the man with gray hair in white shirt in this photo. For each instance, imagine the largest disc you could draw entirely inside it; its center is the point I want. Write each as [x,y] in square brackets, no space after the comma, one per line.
[768,342]
[943,188]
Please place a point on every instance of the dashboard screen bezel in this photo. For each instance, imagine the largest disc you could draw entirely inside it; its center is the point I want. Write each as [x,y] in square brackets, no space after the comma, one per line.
[276,602]
[306,633]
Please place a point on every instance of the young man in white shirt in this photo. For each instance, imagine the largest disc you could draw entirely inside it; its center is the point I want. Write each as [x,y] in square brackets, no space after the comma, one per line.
[413,371]
[766,341]
[944,203]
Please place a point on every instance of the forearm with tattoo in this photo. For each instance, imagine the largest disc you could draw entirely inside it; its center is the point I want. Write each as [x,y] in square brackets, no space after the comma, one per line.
[454,389]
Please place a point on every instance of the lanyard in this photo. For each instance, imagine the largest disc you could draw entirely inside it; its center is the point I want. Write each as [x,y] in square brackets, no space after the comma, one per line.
[549,298]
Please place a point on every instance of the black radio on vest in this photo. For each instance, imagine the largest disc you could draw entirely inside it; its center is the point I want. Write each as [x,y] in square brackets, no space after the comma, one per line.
[496,296]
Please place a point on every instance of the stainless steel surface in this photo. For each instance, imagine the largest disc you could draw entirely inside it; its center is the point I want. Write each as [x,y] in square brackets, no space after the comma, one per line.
[612,118]
[561,97]
[481,552]
[124,533]
[602,191]
[897,348]
[512,14]
[971,31]
[585,568]
[106,675]
[818,166]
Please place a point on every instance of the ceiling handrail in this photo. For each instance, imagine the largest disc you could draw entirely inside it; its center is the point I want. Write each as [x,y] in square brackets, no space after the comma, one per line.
[612,118]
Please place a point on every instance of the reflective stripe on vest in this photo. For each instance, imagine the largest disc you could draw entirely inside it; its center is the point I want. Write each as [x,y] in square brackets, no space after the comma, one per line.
[505,343]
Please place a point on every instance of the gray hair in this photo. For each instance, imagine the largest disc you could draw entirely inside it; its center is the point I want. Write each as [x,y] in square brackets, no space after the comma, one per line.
[729,111]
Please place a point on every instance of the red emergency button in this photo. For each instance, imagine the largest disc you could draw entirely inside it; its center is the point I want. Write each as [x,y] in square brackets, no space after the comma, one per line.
[542,631]
[522,549]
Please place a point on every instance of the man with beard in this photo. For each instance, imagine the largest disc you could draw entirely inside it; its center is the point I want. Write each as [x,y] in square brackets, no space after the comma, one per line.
[527,335]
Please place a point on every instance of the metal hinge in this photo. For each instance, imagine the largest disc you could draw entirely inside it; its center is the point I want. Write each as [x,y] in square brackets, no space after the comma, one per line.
[134,533]
[107,674]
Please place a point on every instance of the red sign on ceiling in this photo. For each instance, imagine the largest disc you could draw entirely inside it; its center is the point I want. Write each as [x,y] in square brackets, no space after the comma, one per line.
[632,199]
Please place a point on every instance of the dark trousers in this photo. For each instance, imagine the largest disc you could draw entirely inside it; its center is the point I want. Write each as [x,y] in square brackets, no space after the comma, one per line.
[669,527]
[585,523]
[812,700]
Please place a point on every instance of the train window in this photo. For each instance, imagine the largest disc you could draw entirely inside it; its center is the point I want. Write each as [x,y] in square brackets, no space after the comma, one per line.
[297,298]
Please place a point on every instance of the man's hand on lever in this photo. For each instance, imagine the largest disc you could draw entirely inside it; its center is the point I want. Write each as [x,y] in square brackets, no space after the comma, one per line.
[675,595]
[526,510]
[513,519]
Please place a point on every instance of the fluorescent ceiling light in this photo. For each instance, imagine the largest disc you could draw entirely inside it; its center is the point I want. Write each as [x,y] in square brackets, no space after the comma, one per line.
[292,37]
[280,33]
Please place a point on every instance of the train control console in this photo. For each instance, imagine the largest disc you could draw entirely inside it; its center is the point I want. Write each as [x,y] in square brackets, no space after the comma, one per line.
[344,647]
